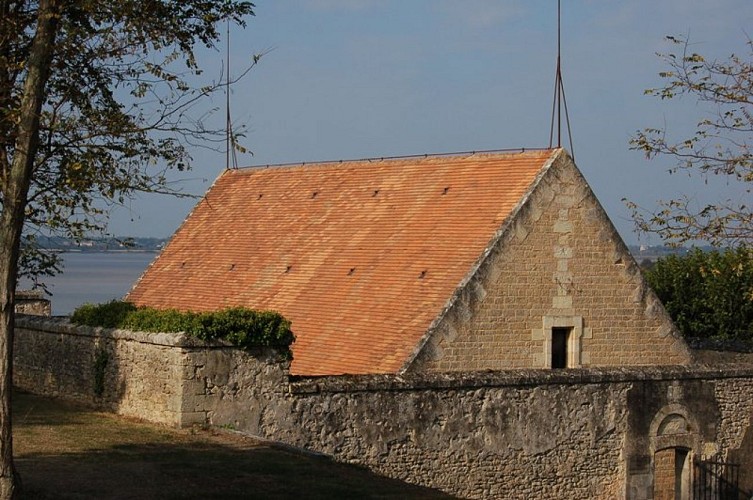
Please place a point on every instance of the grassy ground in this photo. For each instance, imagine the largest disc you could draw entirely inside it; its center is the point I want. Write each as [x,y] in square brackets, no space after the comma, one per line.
[68,452]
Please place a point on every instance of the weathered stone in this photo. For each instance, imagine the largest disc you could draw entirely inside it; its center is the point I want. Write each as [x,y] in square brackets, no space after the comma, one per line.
[585,433]
[571,262]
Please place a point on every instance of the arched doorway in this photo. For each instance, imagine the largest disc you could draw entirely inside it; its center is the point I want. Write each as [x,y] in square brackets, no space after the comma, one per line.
[674,437]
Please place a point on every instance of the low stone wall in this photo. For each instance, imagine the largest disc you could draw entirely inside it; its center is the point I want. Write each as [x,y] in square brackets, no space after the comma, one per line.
[161,377]
[520,434]
[515,434]
[132,373]
[497,437]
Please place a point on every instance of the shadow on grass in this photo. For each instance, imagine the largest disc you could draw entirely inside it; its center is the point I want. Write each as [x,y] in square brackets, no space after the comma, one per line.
[66,452]
[31,410]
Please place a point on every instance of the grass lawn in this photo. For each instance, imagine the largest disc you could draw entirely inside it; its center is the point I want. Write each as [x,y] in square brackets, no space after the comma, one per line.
[65,451]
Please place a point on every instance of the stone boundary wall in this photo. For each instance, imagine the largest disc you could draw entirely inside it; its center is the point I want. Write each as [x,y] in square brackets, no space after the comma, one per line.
[131,373]
[586,433]
[159,377]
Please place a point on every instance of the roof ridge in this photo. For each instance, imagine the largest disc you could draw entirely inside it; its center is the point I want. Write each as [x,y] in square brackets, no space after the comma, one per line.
[397,157]
[361,273]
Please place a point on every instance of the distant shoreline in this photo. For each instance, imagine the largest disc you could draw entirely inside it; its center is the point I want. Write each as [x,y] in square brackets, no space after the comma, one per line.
[114,250]
[95,275]
[119,244]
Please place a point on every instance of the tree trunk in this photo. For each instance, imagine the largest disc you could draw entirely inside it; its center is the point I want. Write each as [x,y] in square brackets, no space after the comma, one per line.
[15,190]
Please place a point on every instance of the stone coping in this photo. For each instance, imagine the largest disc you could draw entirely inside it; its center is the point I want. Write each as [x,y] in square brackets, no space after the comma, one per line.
[62,324]
[410,382]
[510,378]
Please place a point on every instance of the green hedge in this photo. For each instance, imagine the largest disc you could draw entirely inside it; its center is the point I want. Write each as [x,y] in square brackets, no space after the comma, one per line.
[707,294]
[238,325]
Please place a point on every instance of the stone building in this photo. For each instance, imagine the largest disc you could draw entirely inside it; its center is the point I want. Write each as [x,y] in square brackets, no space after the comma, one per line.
[433,299]
[432,263]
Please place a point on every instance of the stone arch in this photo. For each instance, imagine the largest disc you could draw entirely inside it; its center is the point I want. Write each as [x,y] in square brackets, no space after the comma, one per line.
[674,427]
[674,440]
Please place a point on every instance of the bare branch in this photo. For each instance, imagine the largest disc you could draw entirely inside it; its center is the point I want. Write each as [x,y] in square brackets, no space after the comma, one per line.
[720,145]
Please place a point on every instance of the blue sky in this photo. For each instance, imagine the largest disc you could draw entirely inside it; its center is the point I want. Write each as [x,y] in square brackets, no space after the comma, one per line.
[370,78]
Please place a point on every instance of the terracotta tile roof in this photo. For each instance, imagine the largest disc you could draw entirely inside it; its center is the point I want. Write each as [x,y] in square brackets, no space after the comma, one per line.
[360,256]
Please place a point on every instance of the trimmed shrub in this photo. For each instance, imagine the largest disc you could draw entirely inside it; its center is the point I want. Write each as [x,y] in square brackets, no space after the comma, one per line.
[109,315]
[240,326]
[244,327]
[147,319]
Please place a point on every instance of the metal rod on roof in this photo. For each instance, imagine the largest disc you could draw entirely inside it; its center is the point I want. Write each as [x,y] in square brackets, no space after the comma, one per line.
[556,107]
[227,97]
[567,119]
[559,92]
[405,157]
[229,137]
[559,75]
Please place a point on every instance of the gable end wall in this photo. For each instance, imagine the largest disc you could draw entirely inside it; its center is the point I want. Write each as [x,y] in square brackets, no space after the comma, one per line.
[559,263]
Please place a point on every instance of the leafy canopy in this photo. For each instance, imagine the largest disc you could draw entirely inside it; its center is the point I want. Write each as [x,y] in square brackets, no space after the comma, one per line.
[119,108]
[721,145]
[707,294]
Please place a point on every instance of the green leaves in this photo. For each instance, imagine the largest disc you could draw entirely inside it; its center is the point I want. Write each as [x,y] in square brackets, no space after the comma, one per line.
[108,315]
[721,144]
[707,294]
[119,109]
[240,326]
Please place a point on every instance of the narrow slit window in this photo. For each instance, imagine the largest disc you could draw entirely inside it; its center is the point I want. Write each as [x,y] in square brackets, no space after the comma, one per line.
[560,341]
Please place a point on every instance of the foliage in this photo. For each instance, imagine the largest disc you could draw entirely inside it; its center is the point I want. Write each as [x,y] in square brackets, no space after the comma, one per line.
[707,294]
[95,105]
[720,145]
[244,327]
[238,325]
[108,315]
[119,109]
[154,320]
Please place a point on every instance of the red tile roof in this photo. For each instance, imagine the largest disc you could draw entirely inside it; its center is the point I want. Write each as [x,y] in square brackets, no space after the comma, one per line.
[361,256]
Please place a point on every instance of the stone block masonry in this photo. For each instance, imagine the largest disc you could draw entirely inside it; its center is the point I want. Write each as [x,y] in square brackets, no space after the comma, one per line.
[166,378]
[32,302]
[131,373]
[558,264]
[576,433]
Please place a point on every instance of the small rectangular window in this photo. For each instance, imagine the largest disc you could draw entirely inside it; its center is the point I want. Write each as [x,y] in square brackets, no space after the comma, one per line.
[560,340]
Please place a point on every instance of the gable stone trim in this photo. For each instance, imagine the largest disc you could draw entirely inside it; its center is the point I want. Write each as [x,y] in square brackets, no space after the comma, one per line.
[458,309]
[471,284]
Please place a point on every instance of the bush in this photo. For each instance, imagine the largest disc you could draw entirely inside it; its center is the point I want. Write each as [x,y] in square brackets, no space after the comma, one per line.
[238,325]
[147,319]
[109,315]
[244,327]
[707,294]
